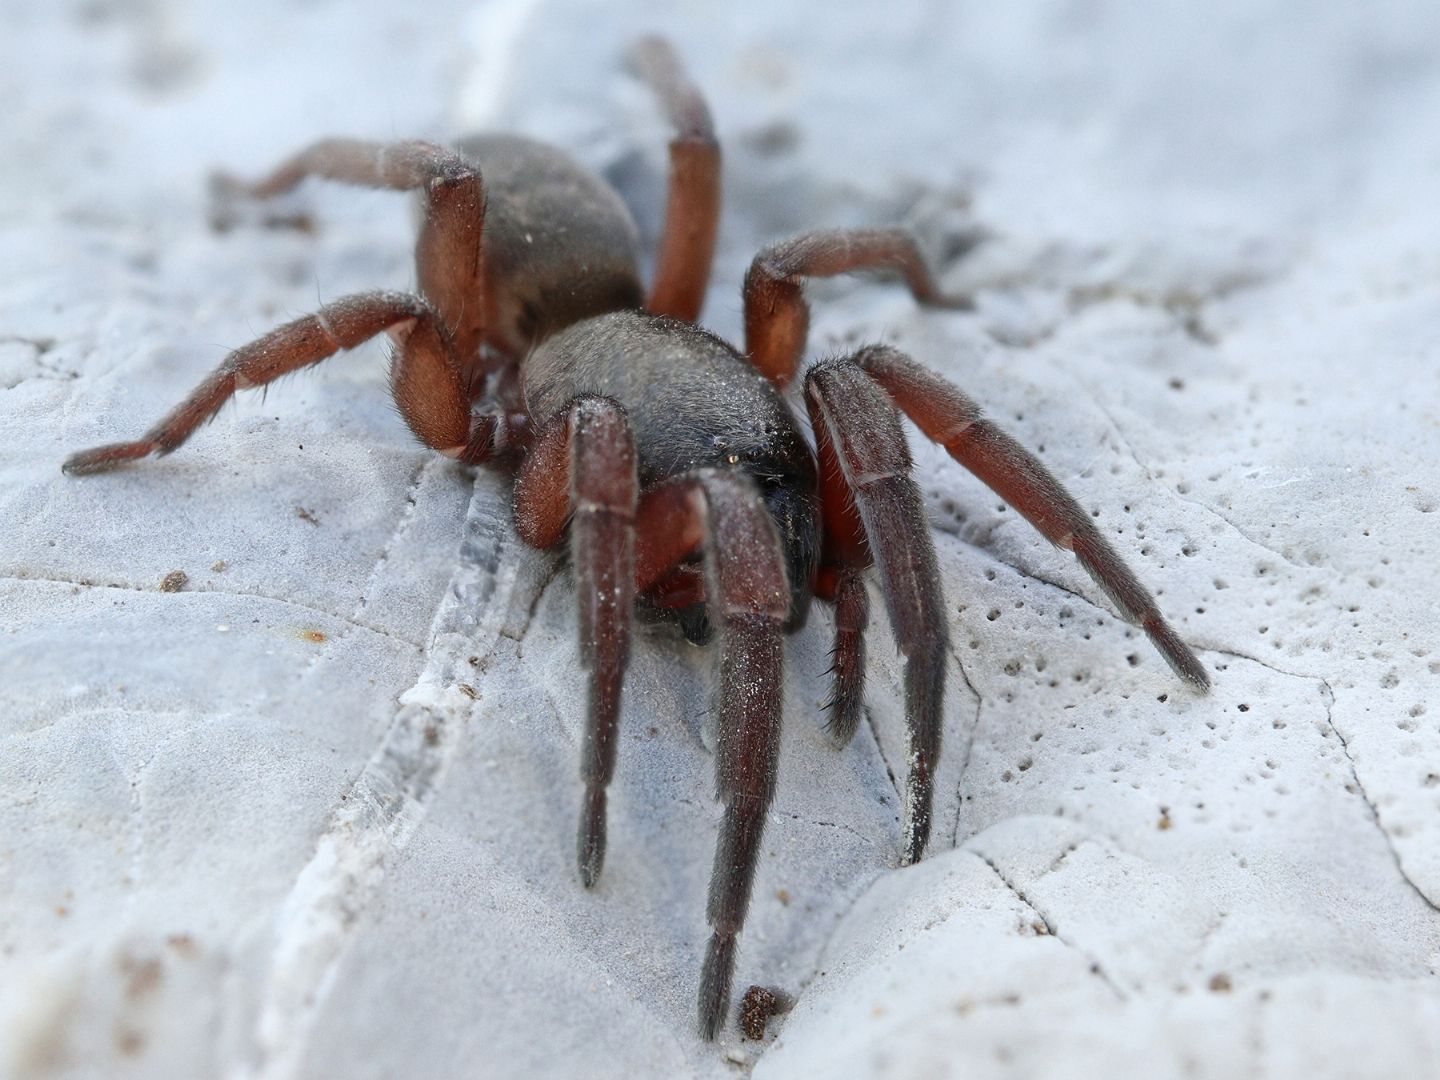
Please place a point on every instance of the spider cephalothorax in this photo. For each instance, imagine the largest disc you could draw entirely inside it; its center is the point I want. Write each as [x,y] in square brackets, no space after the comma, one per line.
[674,462]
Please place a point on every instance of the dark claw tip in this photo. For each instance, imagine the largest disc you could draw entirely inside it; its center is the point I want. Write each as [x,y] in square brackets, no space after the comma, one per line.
[589,874]
[104,457]
[715,985]
[1178,655]
[592,837]
[956,302]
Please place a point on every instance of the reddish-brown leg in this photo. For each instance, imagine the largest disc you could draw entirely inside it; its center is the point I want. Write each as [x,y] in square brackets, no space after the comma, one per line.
[863,430]
[582,468]
[749,601]
[692,213]
[399,166]
[423,376]
[950,418]
[777,317]
[447,253]
[845,554]
[852,617]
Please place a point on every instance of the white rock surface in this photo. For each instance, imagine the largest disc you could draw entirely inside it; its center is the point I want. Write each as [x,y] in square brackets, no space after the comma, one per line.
[312,815]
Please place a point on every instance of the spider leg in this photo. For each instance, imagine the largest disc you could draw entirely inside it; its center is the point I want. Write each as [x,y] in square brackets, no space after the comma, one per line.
[863,431]
[777,317]
[749,601]
[399,166]
[951,419]
[845,554]
[448,251]
[852,616]
[423,376]
[692,212]
[582,468]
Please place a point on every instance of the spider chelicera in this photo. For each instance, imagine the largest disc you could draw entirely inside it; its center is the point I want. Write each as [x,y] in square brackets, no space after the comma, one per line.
[677,464]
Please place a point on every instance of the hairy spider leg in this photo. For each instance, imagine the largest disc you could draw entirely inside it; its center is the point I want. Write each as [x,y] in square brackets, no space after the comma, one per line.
[423,377]
[844,556]
[749,602]
[581,468]
[860,431]
[951,419]
[692,210]
[852,618]
[777,317]
[448,253]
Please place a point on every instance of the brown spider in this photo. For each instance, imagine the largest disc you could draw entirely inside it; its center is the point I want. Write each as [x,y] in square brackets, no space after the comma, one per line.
[678,464]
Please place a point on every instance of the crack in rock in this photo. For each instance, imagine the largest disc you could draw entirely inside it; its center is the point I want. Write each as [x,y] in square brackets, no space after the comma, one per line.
[83,583]
[969,747]
[828,825]
[1207,508]
[1129,448]
[979,704]
[407,515]
[550,567]
[1096,968]
[1329,695]
[380,812]
[880,749]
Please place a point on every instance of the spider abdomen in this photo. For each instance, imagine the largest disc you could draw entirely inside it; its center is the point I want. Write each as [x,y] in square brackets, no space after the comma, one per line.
[559,244]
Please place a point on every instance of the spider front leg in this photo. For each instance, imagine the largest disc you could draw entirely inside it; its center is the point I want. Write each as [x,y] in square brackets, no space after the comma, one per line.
[448,252]
[871,505]
[777,318]
[424,378]
[951,419]
[749,601]
[692,213]
[582,469]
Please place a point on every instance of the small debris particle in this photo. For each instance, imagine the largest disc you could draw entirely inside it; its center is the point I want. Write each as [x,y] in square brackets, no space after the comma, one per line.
[758,1005]
[61,910]
[432,735]
[129,1041]
[474,661]
[469,691]
[1164,822]
[142,975]
[1220,983]
[183,944]
[306,515]
[315,637]
[220,566]
[783,895]
[1041,930]
[174,581]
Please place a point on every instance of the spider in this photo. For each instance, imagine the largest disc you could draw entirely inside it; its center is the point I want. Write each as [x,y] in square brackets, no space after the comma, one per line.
[678,465]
